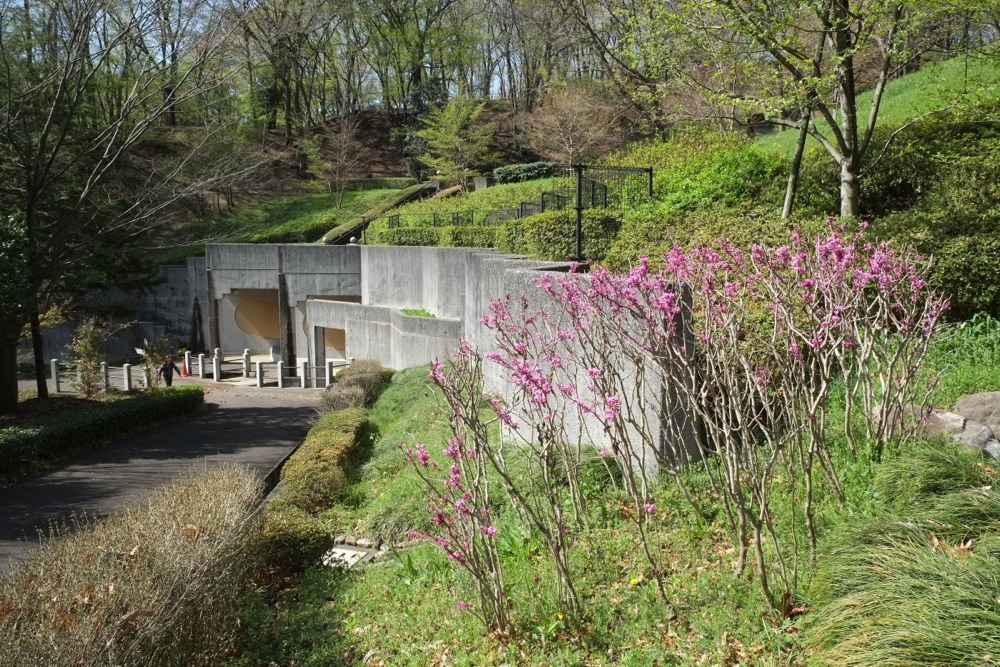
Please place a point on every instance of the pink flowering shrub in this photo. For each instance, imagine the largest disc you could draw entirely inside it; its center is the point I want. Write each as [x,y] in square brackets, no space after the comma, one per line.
[459,496]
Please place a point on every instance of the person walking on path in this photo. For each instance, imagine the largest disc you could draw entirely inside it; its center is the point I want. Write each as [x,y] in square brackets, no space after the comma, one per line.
[167,371]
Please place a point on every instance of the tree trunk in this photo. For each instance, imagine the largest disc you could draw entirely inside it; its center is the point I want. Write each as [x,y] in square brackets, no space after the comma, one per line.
[8,379]
[793,173]
[37,348]
[850,189]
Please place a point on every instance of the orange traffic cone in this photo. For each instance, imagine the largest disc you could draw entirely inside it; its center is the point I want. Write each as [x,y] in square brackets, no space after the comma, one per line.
[184,369]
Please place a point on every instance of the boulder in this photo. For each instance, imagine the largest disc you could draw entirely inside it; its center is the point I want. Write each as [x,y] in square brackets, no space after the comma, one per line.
[943,423]
[983,408]
[975,435]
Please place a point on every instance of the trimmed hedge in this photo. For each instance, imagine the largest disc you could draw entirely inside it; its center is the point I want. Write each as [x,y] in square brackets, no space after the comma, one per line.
[24,447]
[552,235]
[314,475]
[527,171]
[413,192]
[407,236]
[468,237]
[310,481]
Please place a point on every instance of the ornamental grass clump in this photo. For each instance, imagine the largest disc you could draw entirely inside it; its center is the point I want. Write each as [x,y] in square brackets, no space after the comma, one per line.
[158,583]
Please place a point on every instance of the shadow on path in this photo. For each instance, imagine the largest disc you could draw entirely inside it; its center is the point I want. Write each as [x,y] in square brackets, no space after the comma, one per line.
[254,432]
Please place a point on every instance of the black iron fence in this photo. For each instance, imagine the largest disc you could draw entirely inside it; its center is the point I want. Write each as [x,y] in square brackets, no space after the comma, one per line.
[573,187]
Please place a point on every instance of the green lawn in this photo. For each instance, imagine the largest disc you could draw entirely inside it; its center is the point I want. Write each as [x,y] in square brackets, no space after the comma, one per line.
[934,87]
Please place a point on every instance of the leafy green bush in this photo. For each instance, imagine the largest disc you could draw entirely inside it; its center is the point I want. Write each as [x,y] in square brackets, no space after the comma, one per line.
[406,236]
[552,235]
[526,171]
[23,447]
[155,584]
[311,480]
[649,232]
[294,538]
[468,237]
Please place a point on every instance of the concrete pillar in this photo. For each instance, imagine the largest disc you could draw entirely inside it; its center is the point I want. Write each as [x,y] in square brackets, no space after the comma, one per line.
[214,337]
[127,380]
[201,366]
[328,366]
[260,373]
[187,363]
[104,377]
[281,375]
[246,363]
[54,370]
[217,369]
[305,373]
[286,321]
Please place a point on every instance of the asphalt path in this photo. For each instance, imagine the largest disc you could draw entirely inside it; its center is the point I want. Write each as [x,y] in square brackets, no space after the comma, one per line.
[241,425]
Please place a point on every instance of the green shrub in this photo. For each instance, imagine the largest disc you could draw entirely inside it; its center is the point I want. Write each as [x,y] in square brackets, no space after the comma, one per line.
[468,237]
[527,171]
[552,235]
[294,538]
[650,231]
[156,584]
[311,480]
[406,236]
[23,447]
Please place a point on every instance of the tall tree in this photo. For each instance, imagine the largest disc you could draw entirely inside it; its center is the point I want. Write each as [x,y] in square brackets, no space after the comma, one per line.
[81,88]
[776,58]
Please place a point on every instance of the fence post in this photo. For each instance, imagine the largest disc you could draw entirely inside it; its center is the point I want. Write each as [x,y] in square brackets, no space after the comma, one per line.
[201,366]
[578,172]
[246,363]
[127,377]
[217,369]
[260,374]
[305,373]
[54,370]
[104,377]
[329,372]
[281,375]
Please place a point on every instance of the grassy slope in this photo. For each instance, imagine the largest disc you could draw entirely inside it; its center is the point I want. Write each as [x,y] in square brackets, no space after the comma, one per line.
[933,87]
[293,218]
[403,611]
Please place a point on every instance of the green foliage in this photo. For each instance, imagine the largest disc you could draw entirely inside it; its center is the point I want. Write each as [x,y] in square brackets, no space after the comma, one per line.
[649,232]
[527,171]
[468,237]
[382,183]
[157,583]
[16,293]
[457,142]
[24,448]
[966,356]
[552,235]
[89,338]
[406,236]
[311,480]
[417,312]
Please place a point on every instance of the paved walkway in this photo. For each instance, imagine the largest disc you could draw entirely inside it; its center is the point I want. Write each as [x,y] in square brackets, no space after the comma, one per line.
[247,426]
